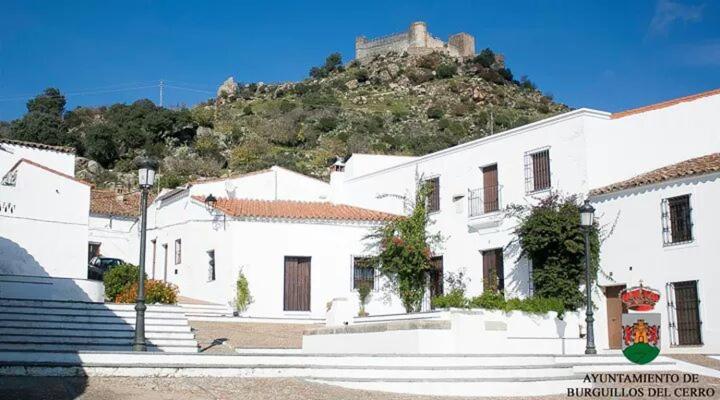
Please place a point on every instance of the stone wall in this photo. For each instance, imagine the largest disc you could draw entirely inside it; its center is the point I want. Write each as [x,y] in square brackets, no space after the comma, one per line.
[416,40]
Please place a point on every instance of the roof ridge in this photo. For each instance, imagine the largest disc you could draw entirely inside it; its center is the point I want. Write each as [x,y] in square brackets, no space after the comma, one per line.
[48,169]
[42,146]
[665,104]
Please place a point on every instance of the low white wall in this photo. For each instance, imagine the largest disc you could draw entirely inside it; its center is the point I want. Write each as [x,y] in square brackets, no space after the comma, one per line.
[464,332]
[46,288]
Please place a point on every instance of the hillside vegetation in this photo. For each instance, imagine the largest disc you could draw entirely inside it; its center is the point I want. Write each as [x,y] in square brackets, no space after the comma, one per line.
[393,104]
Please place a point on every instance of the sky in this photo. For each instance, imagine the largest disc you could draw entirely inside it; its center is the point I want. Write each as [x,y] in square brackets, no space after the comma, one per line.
[609,55]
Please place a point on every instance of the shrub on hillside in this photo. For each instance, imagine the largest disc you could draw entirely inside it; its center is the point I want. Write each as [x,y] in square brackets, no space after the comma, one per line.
[119,278]
[155,292]
[445,71]
[486,58]
[435,112]
[506,74]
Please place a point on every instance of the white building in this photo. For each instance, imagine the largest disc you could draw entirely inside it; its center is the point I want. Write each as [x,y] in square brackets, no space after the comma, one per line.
[665,234]
[43,224]
[295,248]
[114,225]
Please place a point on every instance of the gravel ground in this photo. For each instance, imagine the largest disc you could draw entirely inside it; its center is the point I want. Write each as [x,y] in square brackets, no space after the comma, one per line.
[224,337]
[96,388]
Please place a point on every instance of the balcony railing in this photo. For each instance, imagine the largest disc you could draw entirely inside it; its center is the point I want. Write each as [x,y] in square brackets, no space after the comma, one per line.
[484,200]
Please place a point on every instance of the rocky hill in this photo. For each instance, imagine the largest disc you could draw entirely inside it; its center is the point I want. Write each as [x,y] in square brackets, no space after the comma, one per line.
[392,104]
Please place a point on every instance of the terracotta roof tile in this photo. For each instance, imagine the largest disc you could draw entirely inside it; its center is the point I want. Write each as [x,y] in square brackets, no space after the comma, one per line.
[109,202]
[665,104]
[696,166]
[60,149]
[288,209]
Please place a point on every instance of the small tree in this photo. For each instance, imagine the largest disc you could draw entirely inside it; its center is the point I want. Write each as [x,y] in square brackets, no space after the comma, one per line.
[486,58]
[243,298]
[363,295]
[405,251]
[551,238]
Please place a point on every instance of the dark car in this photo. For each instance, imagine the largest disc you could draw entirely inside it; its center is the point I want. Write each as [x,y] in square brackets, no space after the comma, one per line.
[98,266]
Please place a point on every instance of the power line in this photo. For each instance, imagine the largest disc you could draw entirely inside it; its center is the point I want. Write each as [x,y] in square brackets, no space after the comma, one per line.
[78,93]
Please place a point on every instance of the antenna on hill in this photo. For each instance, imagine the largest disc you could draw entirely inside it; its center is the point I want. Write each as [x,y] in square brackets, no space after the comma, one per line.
[162,84]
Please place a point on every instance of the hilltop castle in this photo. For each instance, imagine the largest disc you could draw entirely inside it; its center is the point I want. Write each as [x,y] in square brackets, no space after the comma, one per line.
[417,40]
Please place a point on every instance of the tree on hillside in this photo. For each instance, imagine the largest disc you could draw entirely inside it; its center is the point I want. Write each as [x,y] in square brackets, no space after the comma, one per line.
[43,122]
[100,145]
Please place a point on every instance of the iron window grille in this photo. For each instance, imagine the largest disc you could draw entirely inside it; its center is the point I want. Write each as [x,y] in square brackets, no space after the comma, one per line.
[484,200]
[364,272]
[178,251]
[684,317]
[676,220]
[211,265]
[537,171]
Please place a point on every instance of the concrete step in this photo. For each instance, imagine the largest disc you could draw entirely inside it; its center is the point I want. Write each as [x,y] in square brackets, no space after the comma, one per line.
[95,325]
[31,340]
[150,313]
[74,349]
[154,320]
[30,332]
[81,305]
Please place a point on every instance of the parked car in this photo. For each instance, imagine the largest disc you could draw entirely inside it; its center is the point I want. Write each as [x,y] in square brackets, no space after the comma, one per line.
[98,266]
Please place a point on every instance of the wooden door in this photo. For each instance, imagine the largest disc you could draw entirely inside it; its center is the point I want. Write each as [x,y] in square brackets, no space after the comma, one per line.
[688,313]
[615,309]
[297,284]
[490,189]
[493,270]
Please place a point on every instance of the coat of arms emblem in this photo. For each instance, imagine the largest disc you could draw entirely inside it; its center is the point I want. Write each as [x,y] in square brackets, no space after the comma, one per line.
[640,329]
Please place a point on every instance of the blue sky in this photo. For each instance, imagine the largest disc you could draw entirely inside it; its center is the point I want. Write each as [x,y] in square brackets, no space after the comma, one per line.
[610,55]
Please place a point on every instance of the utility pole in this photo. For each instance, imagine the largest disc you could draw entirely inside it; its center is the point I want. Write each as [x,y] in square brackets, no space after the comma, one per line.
[162,84]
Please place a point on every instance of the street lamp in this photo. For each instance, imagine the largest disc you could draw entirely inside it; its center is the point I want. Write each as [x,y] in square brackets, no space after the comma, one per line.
[587,216]
[210,202]
[146,178]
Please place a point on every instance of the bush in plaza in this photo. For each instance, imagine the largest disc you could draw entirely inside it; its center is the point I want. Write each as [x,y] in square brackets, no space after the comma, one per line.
[454,299]
[155,292]
[243,298]
[119,278]
[550,236]
[491,300]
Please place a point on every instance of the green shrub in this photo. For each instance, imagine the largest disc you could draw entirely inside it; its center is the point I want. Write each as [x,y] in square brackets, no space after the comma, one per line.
[326,124]
[362,75]
[435,112]
[506,74]
[243,298]
[363,294]
[489,300]
[486,58]
[119,278]
[454,299]
[444,71]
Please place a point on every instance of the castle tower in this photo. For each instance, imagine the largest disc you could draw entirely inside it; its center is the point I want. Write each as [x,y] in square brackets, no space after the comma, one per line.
[360,47]
[463,43]
[418,34]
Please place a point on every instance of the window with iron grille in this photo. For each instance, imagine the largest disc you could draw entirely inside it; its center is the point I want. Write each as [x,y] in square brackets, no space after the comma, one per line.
[676,220]
[211,265]
[436,277]
[363,272]
[433,199]
[537,171]
[178,251]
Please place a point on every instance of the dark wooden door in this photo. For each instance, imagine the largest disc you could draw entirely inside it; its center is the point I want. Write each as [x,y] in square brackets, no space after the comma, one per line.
[436,277]
[490,189]
[688,313]
[493,270]
[297,284]
[615,310]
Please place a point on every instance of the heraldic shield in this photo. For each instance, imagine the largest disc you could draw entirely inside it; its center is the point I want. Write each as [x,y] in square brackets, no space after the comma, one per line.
[641,337]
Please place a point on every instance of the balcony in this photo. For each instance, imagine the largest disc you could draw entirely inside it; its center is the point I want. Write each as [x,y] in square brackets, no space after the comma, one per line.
[484,207]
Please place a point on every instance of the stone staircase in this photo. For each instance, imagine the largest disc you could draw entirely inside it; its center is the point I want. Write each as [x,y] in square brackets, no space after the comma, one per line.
[426,374]
[206,311]
[52,325]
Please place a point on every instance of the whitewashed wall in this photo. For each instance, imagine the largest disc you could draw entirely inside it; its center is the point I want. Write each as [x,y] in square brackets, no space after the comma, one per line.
[47,231]
[118,236]
[275,184]
[634,251]
[59,161]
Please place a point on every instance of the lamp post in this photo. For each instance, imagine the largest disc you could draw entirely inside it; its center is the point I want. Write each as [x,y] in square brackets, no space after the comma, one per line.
[586,222]
[146,176]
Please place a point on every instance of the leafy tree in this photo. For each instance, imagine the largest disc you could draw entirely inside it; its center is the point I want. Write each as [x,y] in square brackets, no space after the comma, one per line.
[100,144]
[445,71]
[333,62]
[405,250]
[43,122]
[506,74]
[486,58]
[552,239]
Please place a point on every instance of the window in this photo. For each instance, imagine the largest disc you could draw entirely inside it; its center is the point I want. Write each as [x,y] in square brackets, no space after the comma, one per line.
[676,220]
[537,171]
[687,324]
[363,272]
[433,199]
[493,270]
[93,250]
[178,251]
[211,265]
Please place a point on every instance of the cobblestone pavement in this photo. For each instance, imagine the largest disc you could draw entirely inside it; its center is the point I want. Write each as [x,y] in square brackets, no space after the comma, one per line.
[224,337]
[698,359]
[96,388]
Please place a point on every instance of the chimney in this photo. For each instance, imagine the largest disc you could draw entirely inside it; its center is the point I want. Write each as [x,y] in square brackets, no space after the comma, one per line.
[337,178]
